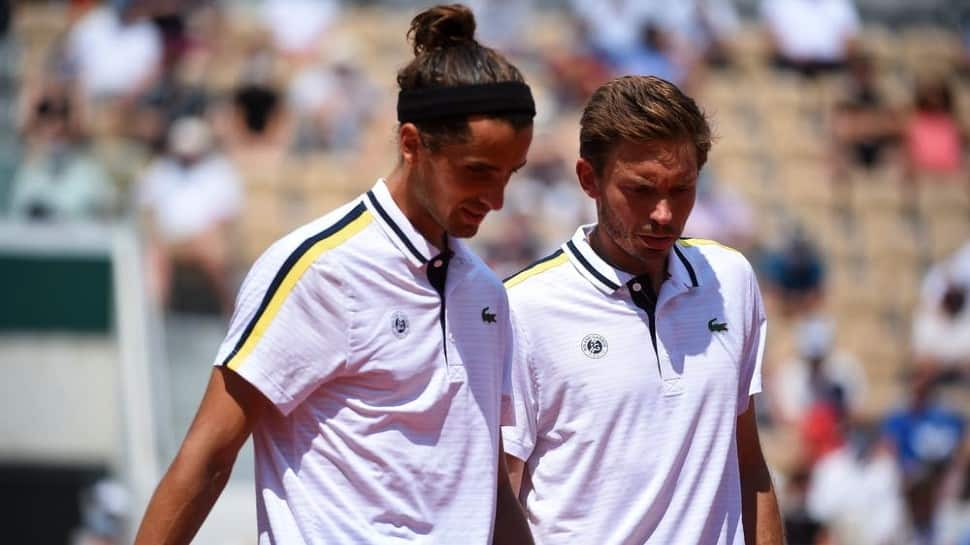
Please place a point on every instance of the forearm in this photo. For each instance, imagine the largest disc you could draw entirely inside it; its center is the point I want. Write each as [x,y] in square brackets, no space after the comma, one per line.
[511,527]
[181,503]
[761,516]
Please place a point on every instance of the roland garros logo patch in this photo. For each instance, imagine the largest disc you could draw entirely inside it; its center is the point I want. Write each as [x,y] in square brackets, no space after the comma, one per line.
[400,325]
[594,346]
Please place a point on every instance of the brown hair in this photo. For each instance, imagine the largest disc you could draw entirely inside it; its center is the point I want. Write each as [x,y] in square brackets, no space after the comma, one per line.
[638,108]
[447,55]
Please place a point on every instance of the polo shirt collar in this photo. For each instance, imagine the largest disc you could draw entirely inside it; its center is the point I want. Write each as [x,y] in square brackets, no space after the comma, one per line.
[608,279]
[417,249]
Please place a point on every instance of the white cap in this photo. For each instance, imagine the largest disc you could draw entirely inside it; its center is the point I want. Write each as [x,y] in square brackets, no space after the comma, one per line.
[816,336]
[189,137]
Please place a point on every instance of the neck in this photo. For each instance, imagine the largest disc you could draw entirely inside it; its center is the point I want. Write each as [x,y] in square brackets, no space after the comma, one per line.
[655,269]
[402,192]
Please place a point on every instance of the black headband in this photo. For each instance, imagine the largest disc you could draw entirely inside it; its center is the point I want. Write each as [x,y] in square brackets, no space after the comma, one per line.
[507,97]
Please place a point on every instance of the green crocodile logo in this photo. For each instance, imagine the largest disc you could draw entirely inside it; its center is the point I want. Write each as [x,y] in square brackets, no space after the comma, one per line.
[714,326]
[488,317]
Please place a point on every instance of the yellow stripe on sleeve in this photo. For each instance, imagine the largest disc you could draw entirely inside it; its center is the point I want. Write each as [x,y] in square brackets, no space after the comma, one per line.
[704,242]
[290,280]
[536,269]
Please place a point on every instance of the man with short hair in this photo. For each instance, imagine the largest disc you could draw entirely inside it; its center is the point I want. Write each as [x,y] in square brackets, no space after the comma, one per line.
[369,350]
[637,352]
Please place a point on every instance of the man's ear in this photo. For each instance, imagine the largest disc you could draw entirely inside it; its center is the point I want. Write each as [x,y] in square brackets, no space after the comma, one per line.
[409,143]
[588,179]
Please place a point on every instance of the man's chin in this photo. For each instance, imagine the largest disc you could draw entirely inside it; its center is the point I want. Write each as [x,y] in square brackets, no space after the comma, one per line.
[463,231]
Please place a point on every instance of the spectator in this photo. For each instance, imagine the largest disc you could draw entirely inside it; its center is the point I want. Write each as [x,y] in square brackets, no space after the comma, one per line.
[810,36]
[863,125]
[925,434]
[926,437]
[612,29]
[712,28]
[644,38]
[818,370]
[795,273]
[856,492]
[116,51]
[653,54]
[299,26]
[824,424]
[941,326]
[59,180]
[191,194]
[576,70]
[933,138]
[800,527]
[254,124]
[698,29]
[332,105]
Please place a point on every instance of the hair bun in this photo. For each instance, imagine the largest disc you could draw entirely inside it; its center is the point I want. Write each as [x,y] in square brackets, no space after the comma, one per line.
[440,27]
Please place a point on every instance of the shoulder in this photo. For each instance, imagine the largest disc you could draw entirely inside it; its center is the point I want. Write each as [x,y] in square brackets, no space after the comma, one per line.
[484,276]
[314,241]
[537,288]
[529,276]
[715,261]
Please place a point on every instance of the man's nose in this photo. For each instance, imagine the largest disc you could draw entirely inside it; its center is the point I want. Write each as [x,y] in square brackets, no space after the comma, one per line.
[495,197]
[662,213]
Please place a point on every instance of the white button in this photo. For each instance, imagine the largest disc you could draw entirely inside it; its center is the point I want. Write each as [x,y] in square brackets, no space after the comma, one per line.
[451,338]
[438,263]
[636,286]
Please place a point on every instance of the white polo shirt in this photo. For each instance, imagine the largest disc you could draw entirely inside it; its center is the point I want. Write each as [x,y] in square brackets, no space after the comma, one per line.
[389,395]
[625,443]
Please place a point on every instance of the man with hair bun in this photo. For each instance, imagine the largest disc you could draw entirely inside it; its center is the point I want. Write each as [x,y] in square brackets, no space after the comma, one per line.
[369,351]
[638,352]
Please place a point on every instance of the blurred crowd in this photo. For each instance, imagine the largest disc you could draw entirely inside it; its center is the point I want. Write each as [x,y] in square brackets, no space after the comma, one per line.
[840,170]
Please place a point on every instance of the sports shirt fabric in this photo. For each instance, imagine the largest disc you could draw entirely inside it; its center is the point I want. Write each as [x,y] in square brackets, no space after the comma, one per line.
[630,440]
[389,399]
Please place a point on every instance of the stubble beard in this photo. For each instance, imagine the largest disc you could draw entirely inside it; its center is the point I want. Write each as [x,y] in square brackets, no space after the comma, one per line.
[622,237]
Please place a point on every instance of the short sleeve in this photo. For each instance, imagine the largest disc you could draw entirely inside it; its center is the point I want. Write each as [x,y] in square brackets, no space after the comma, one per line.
[519,438]
[756,325]
[288,334]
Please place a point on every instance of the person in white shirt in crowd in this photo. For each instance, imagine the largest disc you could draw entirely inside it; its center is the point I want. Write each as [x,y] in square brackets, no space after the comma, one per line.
[941,325]
[856,491]
[811,36]
[369,351]
[191,195]
[59,179]
[637,353]
[298,27]
[818,367]
[116,50]
[332,103]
